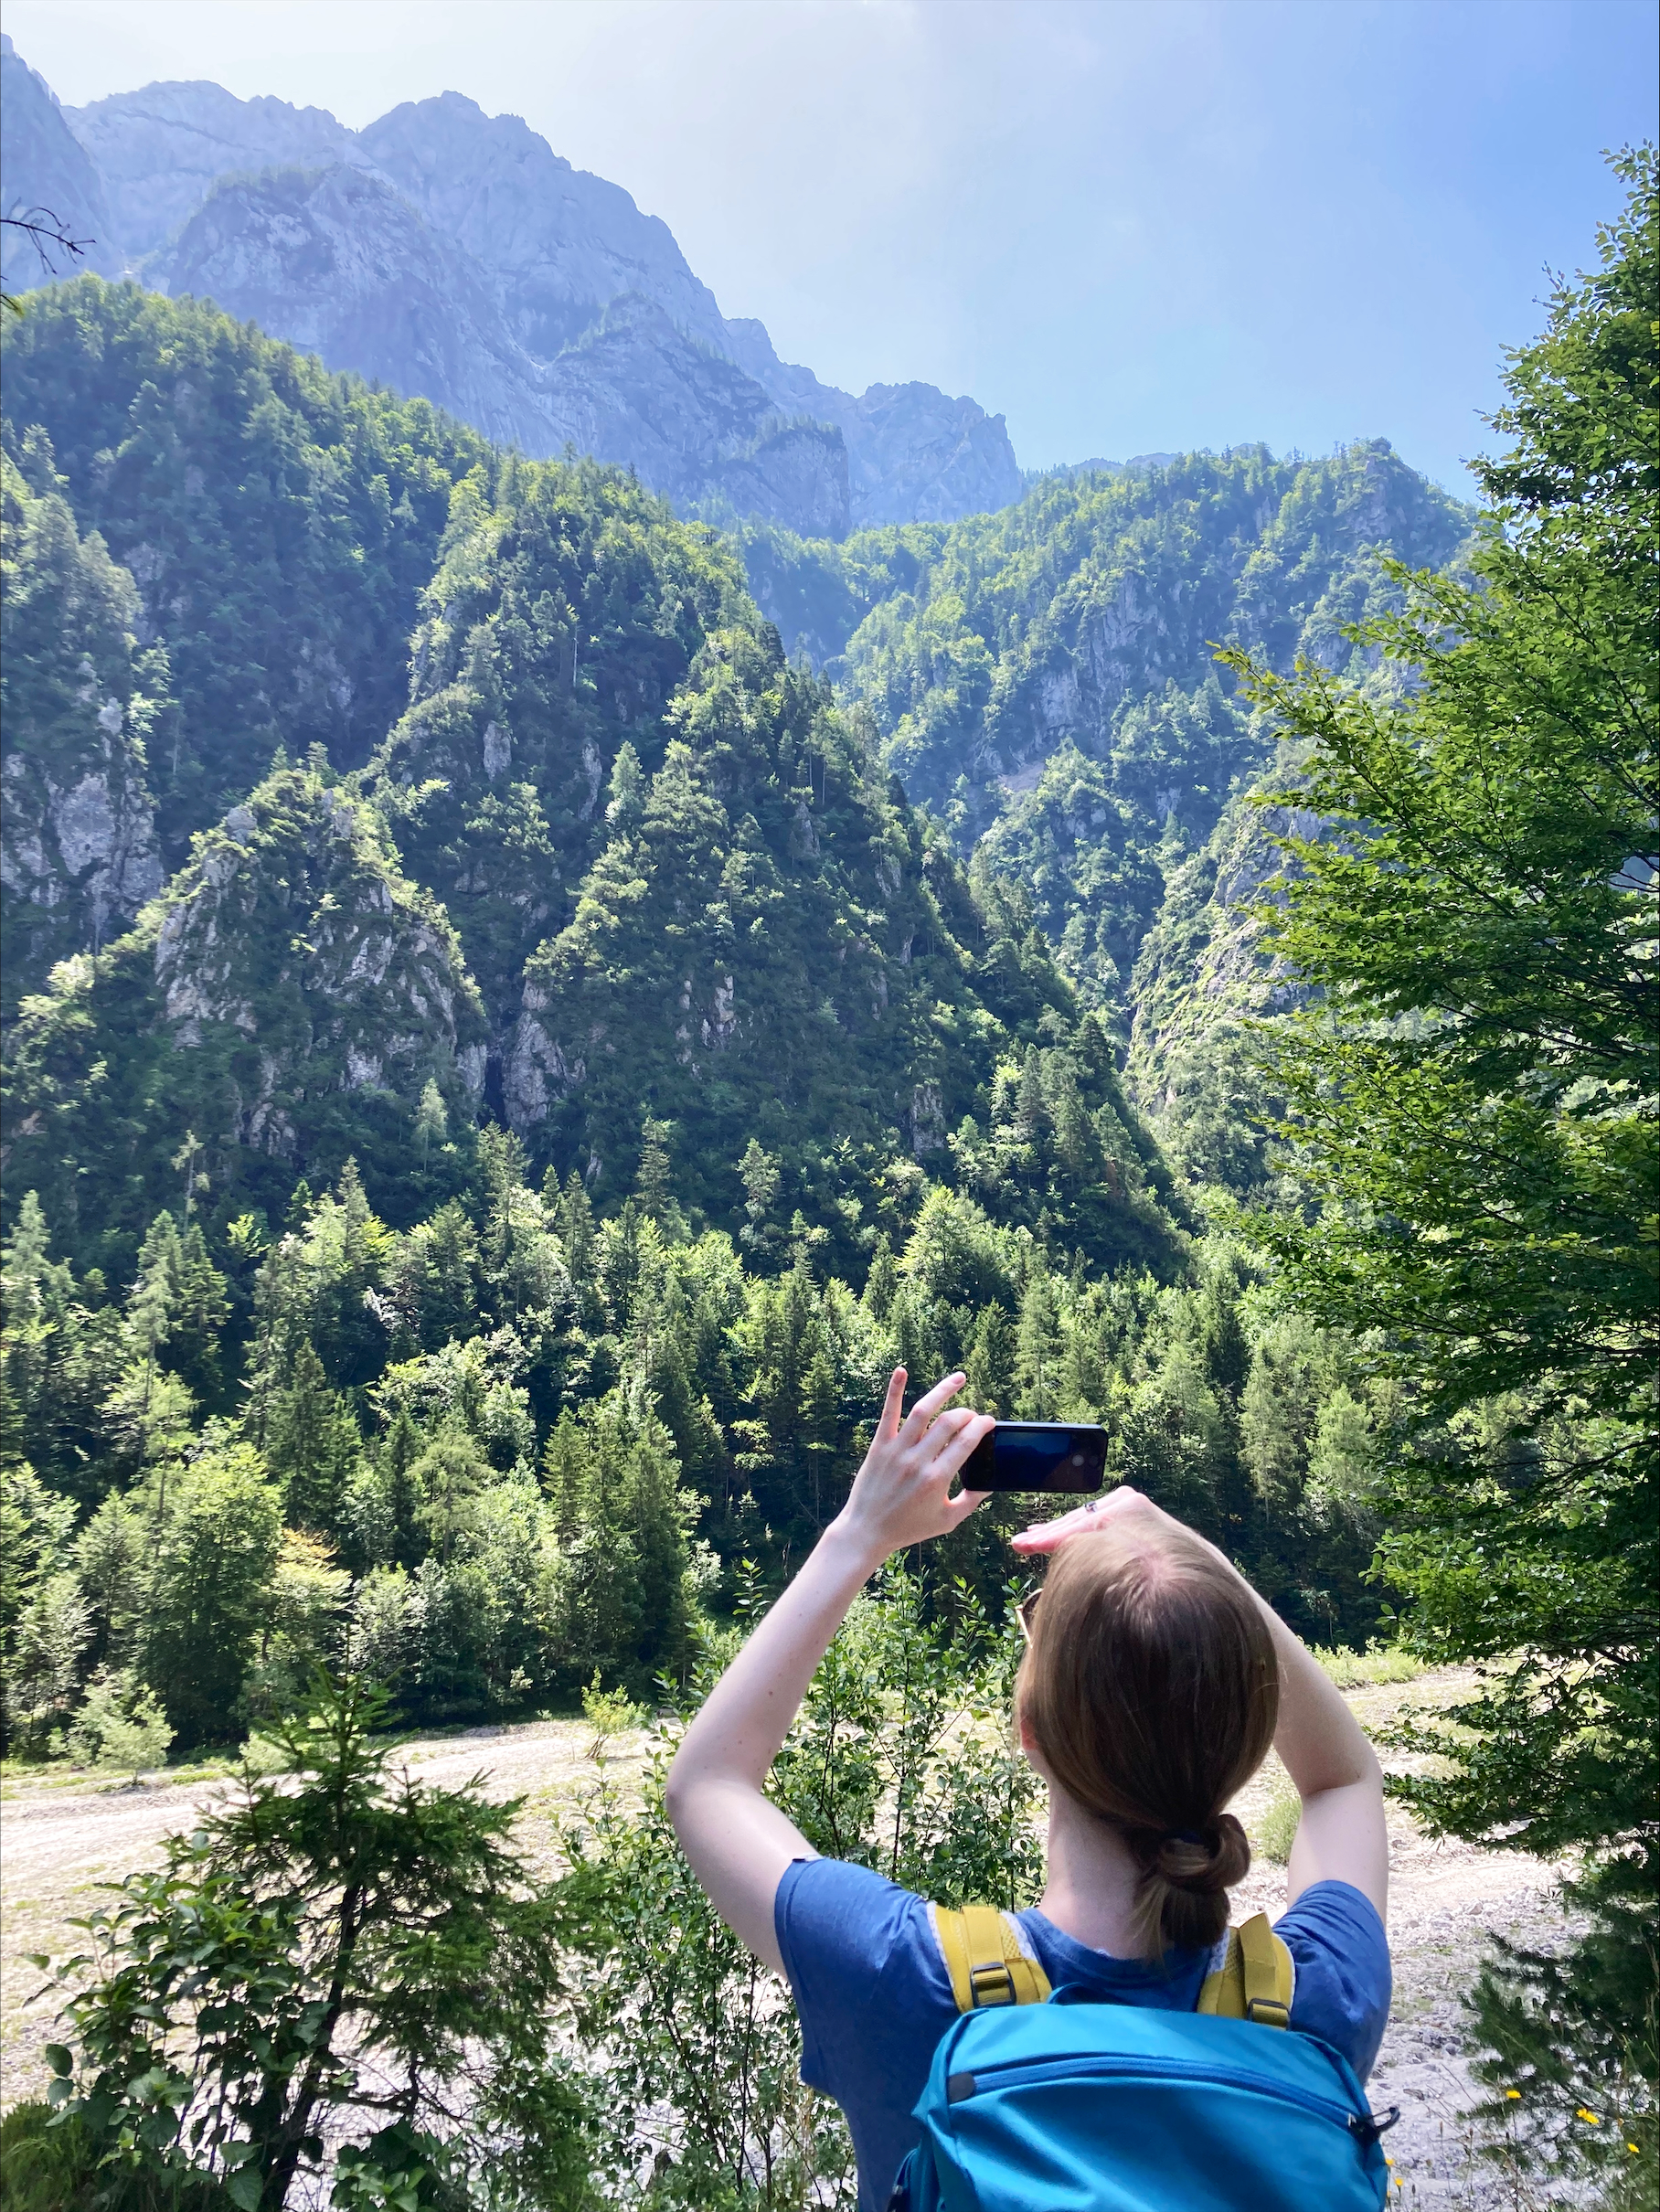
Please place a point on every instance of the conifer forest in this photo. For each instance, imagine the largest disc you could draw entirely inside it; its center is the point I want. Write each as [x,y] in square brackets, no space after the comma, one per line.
[524,999]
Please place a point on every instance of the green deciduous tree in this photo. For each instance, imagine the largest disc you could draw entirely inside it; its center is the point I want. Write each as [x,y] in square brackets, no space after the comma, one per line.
[338,1951]
[1474,1095]
[214,1547]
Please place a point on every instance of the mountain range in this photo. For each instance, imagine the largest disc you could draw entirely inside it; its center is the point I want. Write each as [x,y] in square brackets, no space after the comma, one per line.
[455,256]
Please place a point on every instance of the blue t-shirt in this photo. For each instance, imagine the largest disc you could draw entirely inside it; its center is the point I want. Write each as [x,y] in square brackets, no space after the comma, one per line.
[875,1998]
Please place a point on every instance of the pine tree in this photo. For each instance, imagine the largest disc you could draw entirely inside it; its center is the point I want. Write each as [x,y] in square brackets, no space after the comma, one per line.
[431,1120]
[882,1280]
[313,1449]
[991,1364]
[1037,1349]
[652,1184]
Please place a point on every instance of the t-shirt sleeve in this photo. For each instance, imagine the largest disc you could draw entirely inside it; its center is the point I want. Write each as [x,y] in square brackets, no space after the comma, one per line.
[839,1928]
[1342,1957]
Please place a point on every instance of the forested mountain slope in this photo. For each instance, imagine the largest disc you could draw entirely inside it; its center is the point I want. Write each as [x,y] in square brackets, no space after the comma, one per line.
[456,257]
[1046,679]
[674,886]
[278,523]
[981,646]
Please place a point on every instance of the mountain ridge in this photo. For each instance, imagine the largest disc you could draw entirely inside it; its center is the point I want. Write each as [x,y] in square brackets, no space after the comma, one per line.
[456,257]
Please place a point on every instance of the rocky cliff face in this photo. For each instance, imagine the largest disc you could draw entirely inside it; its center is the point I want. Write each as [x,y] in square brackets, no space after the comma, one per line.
[456,255]
[1204,976]
[635,389]
[1124,585]
[295,943]
[914,454]
[44,170]
[160,151]
[286,996]
[338,262]
[556,245]
[77,846]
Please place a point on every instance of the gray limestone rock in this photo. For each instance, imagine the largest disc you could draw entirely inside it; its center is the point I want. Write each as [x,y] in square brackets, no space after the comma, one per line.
[293,950]
[337,261]
[455,255]
[636,389]
[45,175]
[914,454]
[556,245]
[160,151]
[78,854]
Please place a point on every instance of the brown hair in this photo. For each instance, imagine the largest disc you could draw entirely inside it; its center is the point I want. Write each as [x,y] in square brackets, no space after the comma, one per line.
[1151,1689]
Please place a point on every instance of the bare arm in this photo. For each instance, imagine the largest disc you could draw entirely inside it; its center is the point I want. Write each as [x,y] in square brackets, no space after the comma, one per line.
[738,1841]
[1341,1836]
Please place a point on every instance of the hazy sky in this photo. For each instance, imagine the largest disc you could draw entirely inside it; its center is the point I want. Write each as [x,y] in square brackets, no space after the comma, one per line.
[1129,226]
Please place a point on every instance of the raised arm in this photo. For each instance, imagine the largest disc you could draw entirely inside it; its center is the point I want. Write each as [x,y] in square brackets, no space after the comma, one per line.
[1341,1836]
[738,1841]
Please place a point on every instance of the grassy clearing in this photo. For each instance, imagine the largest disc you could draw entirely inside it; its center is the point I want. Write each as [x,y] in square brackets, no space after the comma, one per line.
[1274,1829]
[1378,1663]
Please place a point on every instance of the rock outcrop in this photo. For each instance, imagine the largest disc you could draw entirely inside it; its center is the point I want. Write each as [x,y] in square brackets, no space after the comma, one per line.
[456,255]
[338,262]
[914,454]
[285,999]
[45,175]
[636,389]
[556,245]
[77,846]
[294,943]
[162,150]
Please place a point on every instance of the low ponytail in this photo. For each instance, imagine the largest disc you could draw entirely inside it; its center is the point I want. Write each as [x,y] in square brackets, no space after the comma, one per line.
[1185,1879]
[1152,1691]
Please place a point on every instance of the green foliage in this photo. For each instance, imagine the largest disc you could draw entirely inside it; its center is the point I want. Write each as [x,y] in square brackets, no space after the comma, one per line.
[608,1713]
[1275,1830]
[1474,1099]
[215,1527]
[1379,1661]
[899,1759]
[326,1951]
[983,644]
[279,522]
[79,700]
[50,2162]
[121,1725]
[290,991]
[563,614]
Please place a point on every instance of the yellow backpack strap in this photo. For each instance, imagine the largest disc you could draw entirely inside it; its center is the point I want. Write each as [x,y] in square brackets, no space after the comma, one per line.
[1255,1980]
[1269,1976]
[1223,1993]
[984,1958]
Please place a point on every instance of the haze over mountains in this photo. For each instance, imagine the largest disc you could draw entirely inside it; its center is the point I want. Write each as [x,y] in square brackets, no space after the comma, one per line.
[228,560]
[457,256]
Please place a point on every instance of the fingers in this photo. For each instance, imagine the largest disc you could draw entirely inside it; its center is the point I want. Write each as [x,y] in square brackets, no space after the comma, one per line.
[889,1425]
[1049,1535]
[922,1413]
[958,1445]
[963,1503]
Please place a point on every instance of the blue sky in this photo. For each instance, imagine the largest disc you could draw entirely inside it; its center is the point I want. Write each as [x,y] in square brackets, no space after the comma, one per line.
[1130,226]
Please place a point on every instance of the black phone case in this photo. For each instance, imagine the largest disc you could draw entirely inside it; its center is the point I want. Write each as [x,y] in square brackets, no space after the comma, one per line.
[1038,1456]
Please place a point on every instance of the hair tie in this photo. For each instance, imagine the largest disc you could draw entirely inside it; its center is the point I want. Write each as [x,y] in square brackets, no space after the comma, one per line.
[1185,1835]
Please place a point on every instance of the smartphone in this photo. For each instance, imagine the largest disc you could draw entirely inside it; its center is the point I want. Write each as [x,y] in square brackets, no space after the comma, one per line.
[1038,1455]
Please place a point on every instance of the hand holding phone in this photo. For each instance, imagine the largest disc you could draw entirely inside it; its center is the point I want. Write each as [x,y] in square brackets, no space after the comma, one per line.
[1038,1455]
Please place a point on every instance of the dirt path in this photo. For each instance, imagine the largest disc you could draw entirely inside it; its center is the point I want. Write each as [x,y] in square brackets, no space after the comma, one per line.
[57,1844]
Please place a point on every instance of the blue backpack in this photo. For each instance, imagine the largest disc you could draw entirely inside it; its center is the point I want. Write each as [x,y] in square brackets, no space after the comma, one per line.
[1040,2100]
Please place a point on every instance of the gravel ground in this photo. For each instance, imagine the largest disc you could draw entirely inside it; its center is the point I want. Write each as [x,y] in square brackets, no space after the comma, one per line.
[59,1840]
